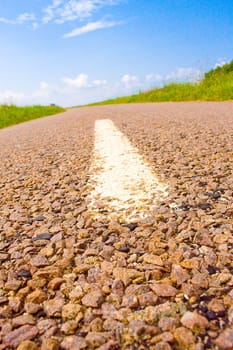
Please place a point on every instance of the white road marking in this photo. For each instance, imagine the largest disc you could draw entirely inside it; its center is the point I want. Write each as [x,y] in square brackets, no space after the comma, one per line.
[122,184]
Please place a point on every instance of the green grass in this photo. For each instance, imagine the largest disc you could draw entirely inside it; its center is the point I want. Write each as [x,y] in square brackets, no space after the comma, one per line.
[11,114]
[216,85]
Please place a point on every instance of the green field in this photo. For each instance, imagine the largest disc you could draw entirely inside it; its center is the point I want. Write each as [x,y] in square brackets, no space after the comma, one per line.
[216,85]
[11,114]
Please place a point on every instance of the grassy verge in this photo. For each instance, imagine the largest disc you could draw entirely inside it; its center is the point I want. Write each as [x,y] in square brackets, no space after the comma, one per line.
[11,114]
[216,85]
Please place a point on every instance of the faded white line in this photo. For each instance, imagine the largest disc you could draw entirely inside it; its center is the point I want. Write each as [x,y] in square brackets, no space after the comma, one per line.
[122,185]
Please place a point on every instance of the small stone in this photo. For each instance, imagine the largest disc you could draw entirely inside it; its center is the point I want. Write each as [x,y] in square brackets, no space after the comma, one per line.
[108,310]
[40,218]
[153,259]
[110,345]
[53,307]
[107,252]
[163,337]
[24,273]
[4,256]
[225,340]
[32,308]
[131,226]
[45,325]
[73,343]
[190,264]
[211,315]
[216,305]
[205,206]
[96,339]
[3,300]
[147,299]
[16,255]
[39,261]
[162,346]
[76,294]
[28,345]
[55,283]
[118,287]
[194,321]
[184,337]
[96,325]
[15,337]
[44,236]
[15,304]
[130,301]
[57,237]
[230,314]
[179,275]
[12,285]
[124,249]
[70,311]
[36,297]
[163,290]
[127,275]
[69,327]
[22,320]
[92,299]
[49,344]
[137,327]
[167,323]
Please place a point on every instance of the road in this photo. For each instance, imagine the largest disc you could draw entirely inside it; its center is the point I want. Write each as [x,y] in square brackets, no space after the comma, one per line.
[76,274]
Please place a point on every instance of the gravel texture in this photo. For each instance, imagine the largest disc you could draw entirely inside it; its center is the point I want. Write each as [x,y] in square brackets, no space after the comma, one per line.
[70,282]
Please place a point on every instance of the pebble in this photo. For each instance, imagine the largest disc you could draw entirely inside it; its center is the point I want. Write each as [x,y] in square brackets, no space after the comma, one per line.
[184,337]
[23,320]
[194,321]
[92,299]
[24,273]
[163,290]
[50,344]
[53,307]
[28,345]
[43,236]
[14,338]
[225,340]
[73,343]
[36,297]
[39,261]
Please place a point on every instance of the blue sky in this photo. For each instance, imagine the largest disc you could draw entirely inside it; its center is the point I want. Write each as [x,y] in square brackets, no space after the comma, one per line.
[73,52]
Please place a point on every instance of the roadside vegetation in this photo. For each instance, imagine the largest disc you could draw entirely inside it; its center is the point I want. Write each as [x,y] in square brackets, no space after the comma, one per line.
[216,85]
[11,114]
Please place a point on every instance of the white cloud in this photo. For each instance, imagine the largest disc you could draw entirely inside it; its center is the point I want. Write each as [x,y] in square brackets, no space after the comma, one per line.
[6,21]
[20,19]
[153,77]
[71,10]
[11,97]
[90,27]
[35,25]
[41,95]
[82,81]
[127,78]
[221,62]
[25,17]
[50,11]
[63,11]
[99,82]
[42,91]
[184,74]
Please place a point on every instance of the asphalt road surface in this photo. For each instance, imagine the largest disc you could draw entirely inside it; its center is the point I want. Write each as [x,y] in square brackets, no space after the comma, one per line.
[76,271]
